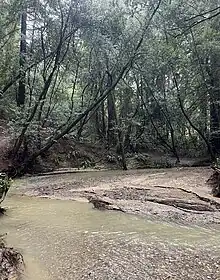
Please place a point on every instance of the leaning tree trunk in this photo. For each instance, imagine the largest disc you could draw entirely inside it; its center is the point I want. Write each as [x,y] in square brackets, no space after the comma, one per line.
[197,129]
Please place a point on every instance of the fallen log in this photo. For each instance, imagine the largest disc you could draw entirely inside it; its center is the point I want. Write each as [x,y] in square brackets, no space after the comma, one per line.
[101,204]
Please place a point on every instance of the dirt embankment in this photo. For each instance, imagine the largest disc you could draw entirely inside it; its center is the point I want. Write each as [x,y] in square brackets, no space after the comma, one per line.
[68,153]
[11,262]
[177,194]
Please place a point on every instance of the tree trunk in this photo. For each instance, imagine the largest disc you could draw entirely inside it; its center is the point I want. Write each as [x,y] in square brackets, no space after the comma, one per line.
[209,147]
[23,50]
[122,149]
[112,120]
[103,120]
[215,102]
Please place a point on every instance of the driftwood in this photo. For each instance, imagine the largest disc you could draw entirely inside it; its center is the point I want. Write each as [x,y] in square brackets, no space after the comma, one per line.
[101,204]
[198,205]
[183,205]
[211,202]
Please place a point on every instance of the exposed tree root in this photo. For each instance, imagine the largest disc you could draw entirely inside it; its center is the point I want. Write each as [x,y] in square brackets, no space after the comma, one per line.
[11,263]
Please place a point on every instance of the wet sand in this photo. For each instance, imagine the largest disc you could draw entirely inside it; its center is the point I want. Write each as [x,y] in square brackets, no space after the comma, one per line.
[178,195]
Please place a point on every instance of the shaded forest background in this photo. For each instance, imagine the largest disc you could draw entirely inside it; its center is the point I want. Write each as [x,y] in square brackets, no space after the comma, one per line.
[128,76]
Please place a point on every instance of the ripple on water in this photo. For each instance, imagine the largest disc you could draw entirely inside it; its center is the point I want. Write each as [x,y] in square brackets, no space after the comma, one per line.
[69,240]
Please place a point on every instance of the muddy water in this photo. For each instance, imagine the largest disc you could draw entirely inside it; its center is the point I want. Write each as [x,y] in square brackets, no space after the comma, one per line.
[69,240]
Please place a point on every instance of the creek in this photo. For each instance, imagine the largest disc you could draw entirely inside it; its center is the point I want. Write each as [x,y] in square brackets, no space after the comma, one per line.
[70,240]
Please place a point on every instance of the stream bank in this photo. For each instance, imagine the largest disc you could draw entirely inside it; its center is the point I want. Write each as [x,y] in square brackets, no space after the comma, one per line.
[11,262]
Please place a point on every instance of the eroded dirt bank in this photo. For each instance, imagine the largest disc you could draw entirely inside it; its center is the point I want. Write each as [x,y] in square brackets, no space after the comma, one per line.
[177,194]
[11,262]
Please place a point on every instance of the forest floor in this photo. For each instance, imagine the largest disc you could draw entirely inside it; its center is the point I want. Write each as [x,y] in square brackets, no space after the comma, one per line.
[178,194]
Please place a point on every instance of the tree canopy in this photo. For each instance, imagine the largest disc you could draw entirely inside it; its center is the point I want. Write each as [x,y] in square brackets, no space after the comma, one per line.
[130,74]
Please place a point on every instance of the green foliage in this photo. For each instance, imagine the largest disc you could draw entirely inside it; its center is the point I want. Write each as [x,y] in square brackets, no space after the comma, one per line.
[76,50]
[5,184]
